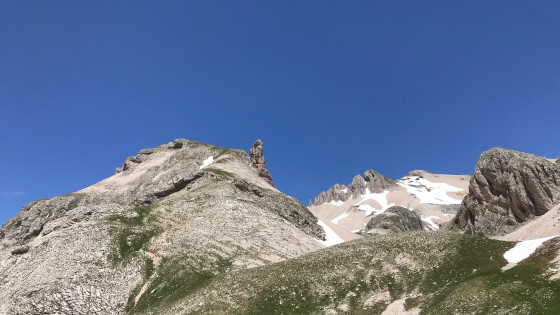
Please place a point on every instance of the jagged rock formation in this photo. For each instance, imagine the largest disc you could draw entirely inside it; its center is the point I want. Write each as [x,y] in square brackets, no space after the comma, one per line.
[393,220]
[169,220]
[372,180]
[507,189]
[258,161]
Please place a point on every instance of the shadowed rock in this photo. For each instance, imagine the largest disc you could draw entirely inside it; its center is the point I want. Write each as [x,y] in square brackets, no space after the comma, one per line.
[395,220]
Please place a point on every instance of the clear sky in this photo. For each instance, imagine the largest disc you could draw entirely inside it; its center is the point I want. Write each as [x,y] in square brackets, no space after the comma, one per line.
[332,87]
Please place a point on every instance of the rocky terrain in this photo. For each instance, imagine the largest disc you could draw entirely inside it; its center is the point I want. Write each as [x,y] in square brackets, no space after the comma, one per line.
[508,188]
[191,228]
[169,220]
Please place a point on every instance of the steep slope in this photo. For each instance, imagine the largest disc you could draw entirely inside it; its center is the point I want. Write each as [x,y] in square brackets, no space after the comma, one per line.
[165,224]
[406,273]
[347,210]
[508,189]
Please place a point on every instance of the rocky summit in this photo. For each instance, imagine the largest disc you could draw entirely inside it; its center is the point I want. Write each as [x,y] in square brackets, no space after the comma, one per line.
[191,228]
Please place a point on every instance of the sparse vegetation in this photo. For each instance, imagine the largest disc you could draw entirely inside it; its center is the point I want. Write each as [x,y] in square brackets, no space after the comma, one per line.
[219,172]
[174,280]
[132,233]
[440,273]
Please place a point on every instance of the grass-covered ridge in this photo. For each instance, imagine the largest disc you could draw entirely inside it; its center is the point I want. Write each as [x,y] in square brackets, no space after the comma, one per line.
[438,273]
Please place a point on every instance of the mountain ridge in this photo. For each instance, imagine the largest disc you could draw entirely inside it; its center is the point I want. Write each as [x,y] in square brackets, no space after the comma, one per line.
[188,228]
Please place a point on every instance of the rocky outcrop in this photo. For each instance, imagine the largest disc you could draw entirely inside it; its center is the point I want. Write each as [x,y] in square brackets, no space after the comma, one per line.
[507,189]
[376,182]
[177,183]
[395,220]
[258,161]
[335,193]
[20,250]
[372,181]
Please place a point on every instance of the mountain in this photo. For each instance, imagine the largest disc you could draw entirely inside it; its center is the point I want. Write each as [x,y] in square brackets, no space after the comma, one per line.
[191,228]
[168,221]
[345,211]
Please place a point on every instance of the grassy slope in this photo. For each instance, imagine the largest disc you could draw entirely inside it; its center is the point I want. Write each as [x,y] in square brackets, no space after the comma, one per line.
[440,273]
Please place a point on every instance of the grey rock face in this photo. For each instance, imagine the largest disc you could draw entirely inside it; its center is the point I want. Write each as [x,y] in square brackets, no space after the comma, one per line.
[20,250]
[92,251]
[258,160]
[394,220]
[177,183]
[377,182]
[335,193]
[29,222]
[507,189]
[371,180]
[358,186]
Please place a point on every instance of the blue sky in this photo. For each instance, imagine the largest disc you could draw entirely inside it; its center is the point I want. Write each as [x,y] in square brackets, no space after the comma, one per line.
[332,87]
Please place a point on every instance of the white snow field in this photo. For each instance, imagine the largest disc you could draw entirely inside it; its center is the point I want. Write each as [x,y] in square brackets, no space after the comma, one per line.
[207,162]
[331,238]
[524,249]
[429,192]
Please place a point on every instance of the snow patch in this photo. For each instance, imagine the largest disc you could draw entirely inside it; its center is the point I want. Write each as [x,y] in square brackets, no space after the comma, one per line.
[345,190]
[337,203]
[340,217]
[207,162]
[380,198]
[524,249]
[432,225]
[331,238]
[429,192]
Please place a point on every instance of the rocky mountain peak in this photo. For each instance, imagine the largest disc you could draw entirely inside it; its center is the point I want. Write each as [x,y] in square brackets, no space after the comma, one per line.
[371,180]
[258,161]
[507,189]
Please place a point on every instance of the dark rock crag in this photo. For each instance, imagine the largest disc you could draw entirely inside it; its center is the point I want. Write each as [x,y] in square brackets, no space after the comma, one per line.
[507,189]
[394,220]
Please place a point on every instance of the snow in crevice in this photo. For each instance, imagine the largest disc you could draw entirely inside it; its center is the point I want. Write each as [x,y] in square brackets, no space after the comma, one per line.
[345,190]
[207,162]
[524,249]
[331,238]
[340,217]
[431,224]
[429,192]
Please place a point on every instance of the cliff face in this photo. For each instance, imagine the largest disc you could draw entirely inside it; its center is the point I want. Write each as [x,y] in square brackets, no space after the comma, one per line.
[171,218]
[507,189]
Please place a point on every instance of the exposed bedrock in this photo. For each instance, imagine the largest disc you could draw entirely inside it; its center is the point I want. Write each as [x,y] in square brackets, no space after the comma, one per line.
[507,189]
